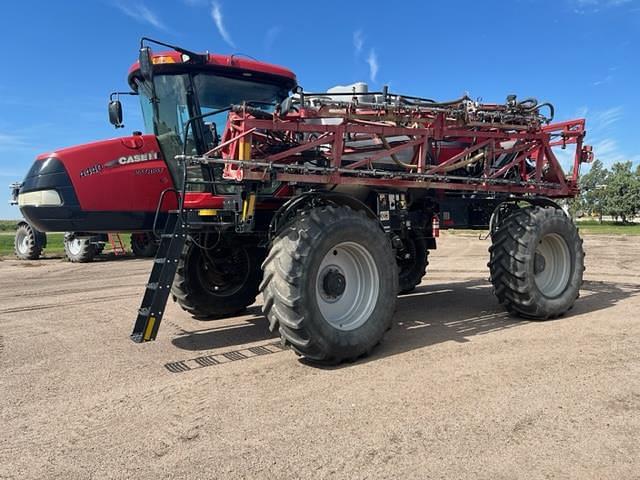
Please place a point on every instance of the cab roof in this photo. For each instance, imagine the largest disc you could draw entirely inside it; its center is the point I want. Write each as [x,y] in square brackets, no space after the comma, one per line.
[170,61]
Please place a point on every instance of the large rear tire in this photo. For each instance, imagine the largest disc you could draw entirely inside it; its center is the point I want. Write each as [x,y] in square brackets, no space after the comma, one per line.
[29,242]
[330,284]
[537,262]
[217,283]
[79,250]
[413,264]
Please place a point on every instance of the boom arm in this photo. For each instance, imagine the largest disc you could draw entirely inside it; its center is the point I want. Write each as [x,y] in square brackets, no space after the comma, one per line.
[460,145]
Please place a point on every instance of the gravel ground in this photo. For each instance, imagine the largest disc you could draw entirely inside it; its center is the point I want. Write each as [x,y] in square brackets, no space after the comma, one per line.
[457,390]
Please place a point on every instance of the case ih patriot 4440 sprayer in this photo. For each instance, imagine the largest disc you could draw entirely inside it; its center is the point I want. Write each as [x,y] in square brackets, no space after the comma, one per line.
[327,203]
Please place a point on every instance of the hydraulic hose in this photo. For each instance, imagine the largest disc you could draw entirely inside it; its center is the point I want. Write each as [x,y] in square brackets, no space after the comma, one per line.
[528,103]
[551,110]
[394,157]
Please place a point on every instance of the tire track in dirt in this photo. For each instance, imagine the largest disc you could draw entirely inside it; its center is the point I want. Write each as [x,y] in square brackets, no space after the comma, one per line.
[192,414]
[57,305]
[96,422]
[71,291]
[180,420]
[82,426]
[202,361]
[63,271]
[186,421]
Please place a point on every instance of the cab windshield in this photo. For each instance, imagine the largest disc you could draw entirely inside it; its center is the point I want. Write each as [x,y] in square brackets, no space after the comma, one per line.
[182,96]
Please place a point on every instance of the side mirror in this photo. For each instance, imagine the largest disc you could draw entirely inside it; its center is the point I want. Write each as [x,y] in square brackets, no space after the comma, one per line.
[146,64]
[285,106]
[115,113]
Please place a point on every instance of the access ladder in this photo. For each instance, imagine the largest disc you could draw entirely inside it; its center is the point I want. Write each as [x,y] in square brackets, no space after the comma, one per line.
[158,288]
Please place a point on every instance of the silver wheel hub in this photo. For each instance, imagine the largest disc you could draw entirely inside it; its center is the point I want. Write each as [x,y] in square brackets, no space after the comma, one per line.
[552,265]
[75,246]
[23,243]
[347,286]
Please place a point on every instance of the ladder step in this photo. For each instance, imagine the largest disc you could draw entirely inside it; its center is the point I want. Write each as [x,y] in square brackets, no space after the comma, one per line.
[137,337]
[158,287]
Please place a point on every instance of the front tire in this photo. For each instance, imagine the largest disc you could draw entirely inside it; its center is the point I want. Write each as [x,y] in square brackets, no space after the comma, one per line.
[29,242]
[79,250]
[217,283]
[330,284]
[537,263]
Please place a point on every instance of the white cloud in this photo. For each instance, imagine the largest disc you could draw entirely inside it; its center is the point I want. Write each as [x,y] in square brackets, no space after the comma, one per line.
[140,12]
[358,41]
[606,118]
[602,3]
[603,81]
[606,79]
[372,60]
[595,6]
[608,151]
[271,36]
[18,144]
[9,141]
[216,14]
[582,112]
[13,174]
[372,57]
[601,134]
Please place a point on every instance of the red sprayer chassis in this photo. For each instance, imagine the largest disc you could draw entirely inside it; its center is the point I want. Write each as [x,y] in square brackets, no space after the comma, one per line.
[313,150]
[327,204]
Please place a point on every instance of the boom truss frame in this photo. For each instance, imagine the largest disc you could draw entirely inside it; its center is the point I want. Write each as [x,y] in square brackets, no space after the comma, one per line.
[261,147]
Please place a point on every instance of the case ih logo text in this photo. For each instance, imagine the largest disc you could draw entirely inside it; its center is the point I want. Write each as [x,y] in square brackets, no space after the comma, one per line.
[140,157]
[126,160]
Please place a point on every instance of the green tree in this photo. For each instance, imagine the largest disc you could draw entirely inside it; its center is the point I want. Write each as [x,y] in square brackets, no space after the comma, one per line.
[592,190]
[622,192]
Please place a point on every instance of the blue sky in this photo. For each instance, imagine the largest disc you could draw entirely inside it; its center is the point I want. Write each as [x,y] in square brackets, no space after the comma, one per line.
[63,58]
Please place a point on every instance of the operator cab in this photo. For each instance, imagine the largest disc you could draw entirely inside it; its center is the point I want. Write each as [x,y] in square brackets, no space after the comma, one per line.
[119,184]
[176,86]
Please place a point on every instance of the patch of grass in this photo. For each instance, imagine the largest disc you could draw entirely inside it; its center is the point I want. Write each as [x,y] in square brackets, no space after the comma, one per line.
[8,225]
[587,227]
[54,244]
[608,228]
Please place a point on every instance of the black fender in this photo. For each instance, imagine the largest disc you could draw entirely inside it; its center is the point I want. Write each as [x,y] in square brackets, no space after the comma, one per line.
[511,204]
[312,199]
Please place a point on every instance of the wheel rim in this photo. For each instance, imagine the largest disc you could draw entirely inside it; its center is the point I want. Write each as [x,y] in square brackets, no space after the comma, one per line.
[347,286]
[224,271]
[552,265]
[22,242]
[75,246]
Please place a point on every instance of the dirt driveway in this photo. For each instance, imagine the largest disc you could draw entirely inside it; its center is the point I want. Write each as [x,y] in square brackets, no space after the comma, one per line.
[457,390]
